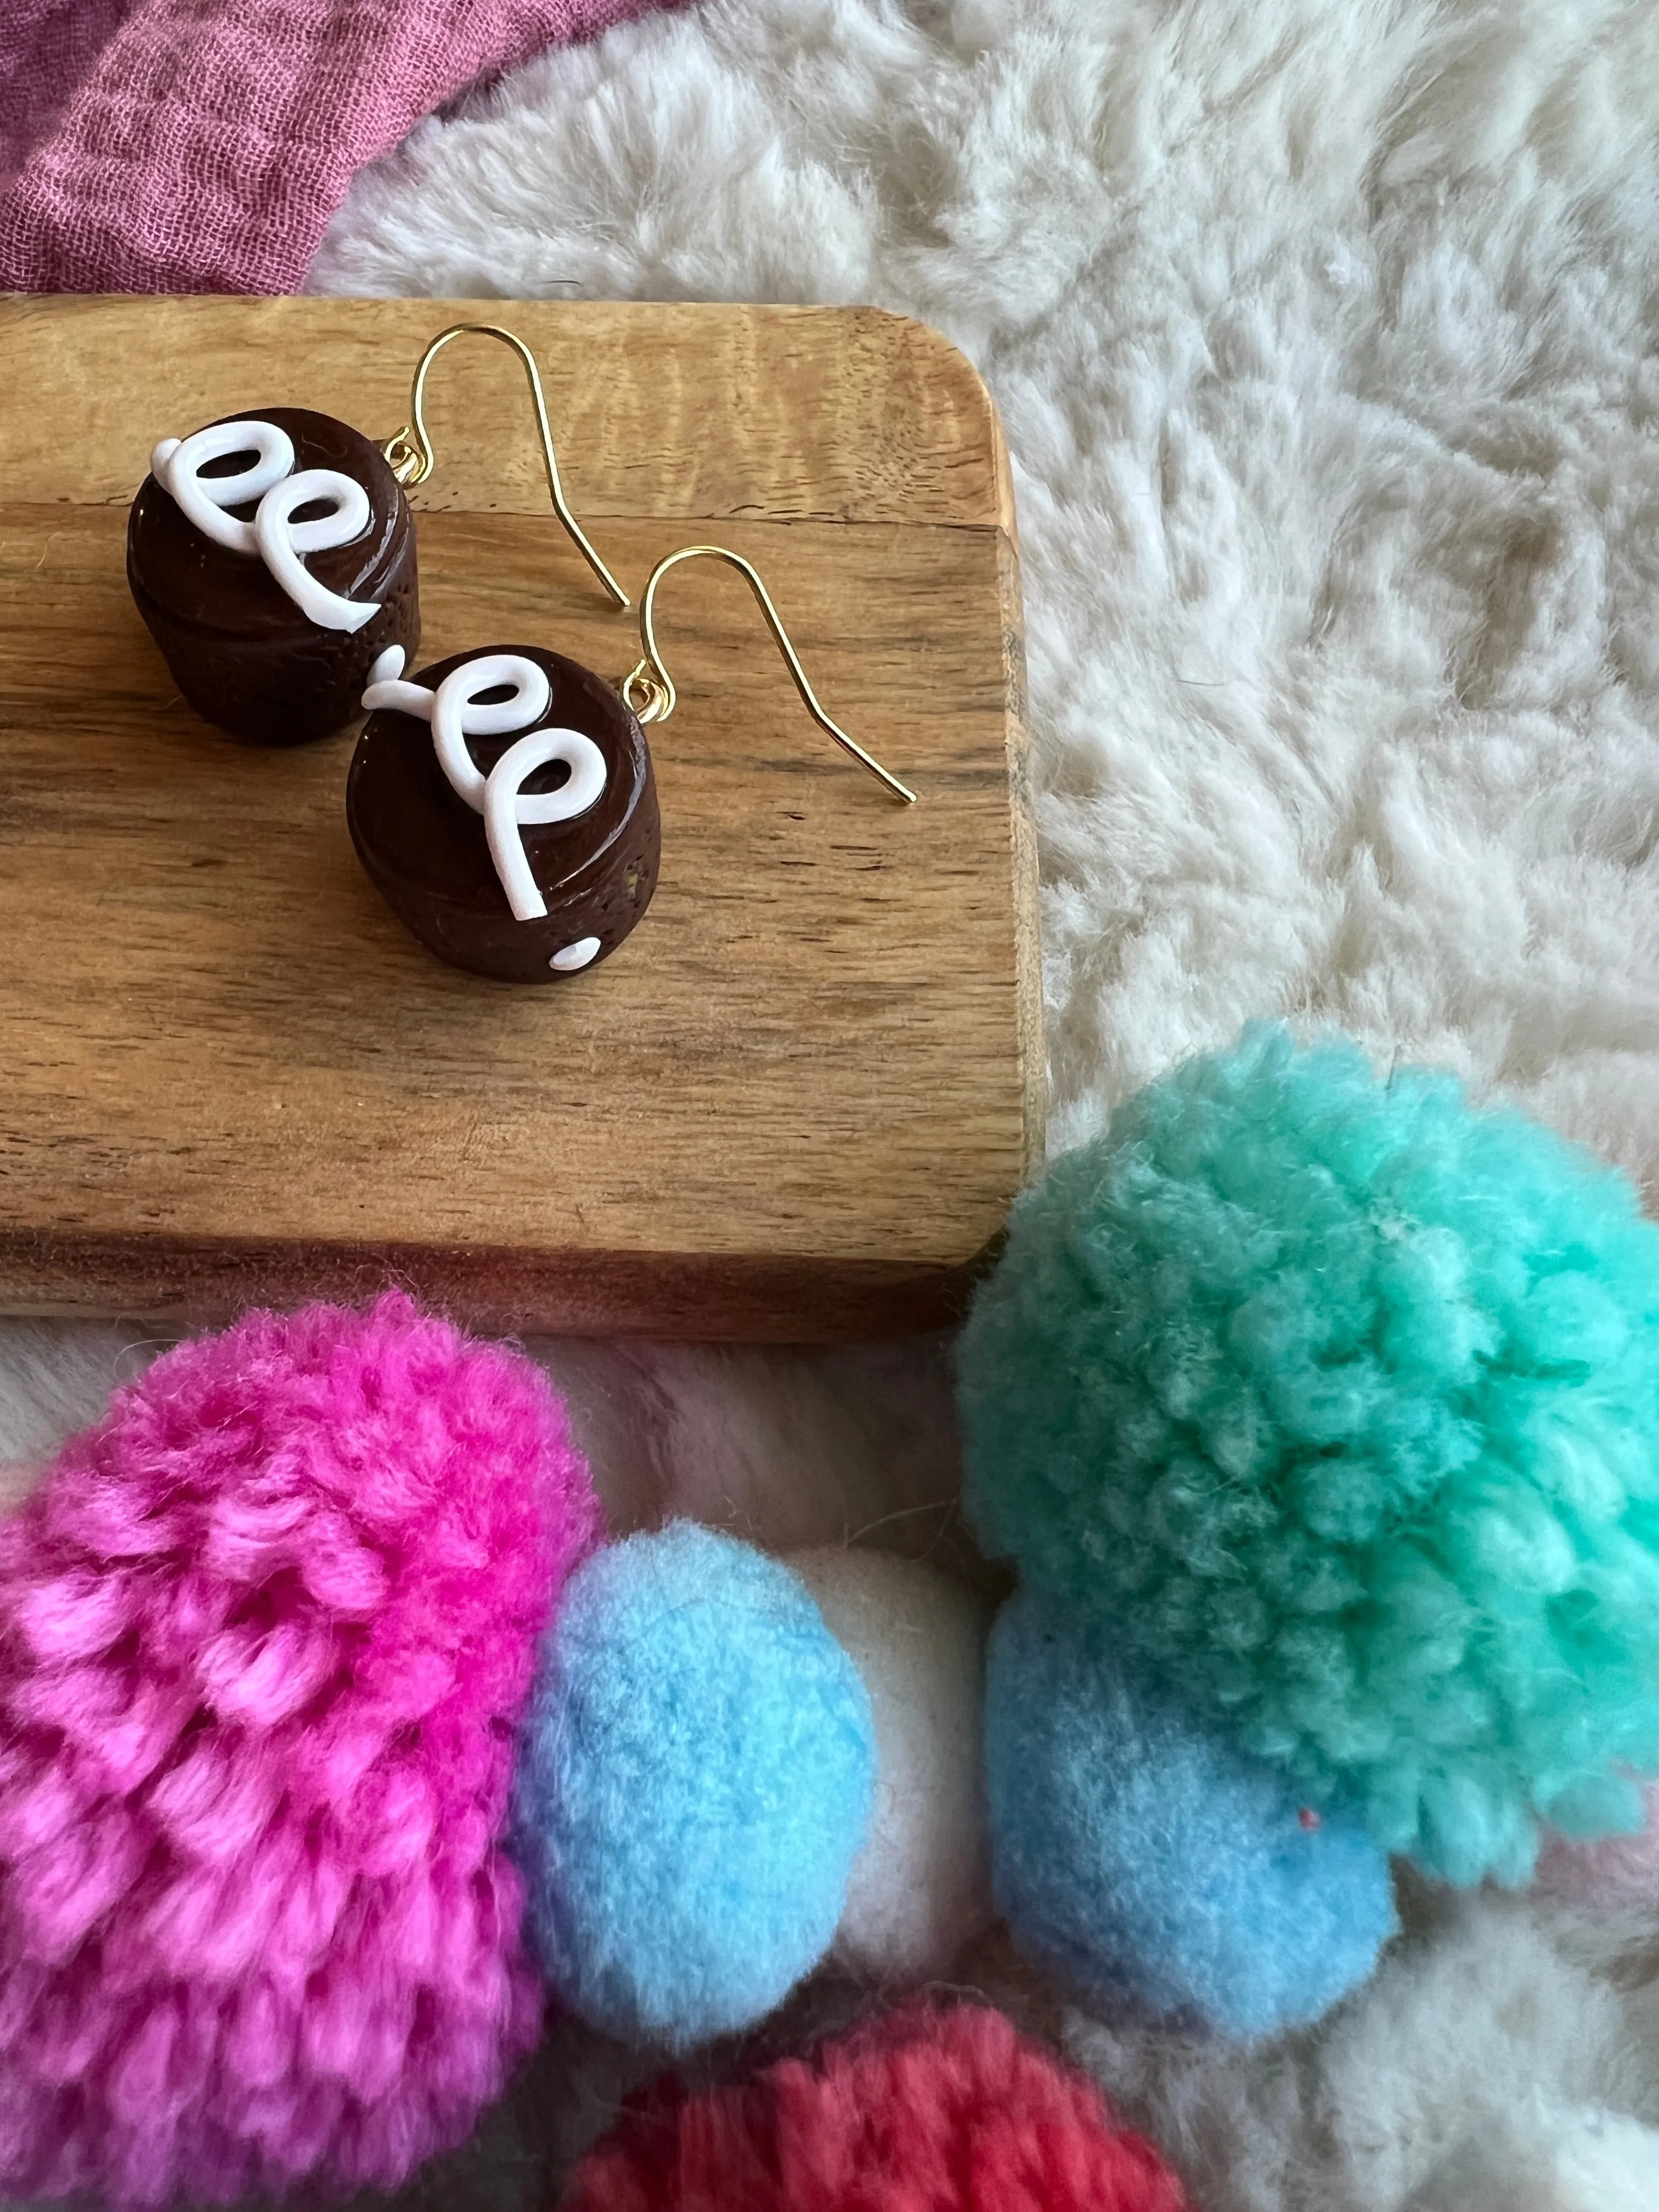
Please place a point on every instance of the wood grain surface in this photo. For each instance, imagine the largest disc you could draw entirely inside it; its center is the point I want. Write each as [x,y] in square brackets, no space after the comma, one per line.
[796,1104]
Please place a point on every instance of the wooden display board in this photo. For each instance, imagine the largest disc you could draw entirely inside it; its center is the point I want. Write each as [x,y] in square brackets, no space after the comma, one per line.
[795,1104]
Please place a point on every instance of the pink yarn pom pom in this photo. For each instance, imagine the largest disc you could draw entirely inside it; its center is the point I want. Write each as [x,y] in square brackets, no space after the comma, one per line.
[1620,1873]
[263,1633]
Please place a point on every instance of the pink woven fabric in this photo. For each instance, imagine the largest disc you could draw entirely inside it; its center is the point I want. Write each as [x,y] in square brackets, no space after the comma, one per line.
[264,1635]
[202,145]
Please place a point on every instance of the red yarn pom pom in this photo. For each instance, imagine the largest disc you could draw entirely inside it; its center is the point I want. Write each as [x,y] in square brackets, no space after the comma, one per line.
[263,1633]
[923,2111]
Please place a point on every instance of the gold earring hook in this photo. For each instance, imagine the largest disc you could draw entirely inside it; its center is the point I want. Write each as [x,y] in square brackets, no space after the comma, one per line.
[410,454]
[654,686]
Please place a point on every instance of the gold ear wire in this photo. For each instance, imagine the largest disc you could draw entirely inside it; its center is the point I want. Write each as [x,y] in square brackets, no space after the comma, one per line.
[410,454]
[654,686]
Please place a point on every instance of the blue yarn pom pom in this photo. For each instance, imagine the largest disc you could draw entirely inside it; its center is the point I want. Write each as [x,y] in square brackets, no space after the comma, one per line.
[1342,1400]
[695,1781]
[1146,1861]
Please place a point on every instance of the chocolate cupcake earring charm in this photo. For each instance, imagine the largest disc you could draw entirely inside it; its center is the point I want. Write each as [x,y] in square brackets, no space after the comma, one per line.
[449,800]
[272,558]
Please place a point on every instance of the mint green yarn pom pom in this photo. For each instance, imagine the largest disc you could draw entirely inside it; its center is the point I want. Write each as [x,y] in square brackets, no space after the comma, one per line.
[1338,1399]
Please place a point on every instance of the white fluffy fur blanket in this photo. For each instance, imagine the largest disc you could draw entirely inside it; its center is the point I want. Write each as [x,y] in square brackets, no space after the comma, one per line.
[1324,332]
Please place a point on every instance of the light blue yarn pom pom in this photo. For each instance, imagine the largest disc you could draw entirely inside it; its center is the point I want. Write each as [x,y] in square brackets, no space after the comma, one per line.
[1148,1863]
[1340,1399]
[694,1780]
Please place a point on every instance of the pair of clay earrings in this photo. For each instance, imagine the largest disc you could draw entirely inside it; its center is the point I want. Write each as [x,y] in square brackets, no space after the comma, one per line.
[273,558]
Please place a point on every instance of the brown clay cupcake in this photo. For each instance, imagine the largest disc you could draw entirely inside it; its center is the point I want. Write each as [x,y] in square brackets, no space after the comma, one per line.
[272,634]
[503,804]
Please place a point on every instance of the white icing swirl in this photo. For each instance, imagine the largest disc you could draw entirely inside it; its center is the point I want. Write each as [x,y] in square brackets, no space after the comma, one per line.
[176,466]
[282,540]
[273,534]
[457,713]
